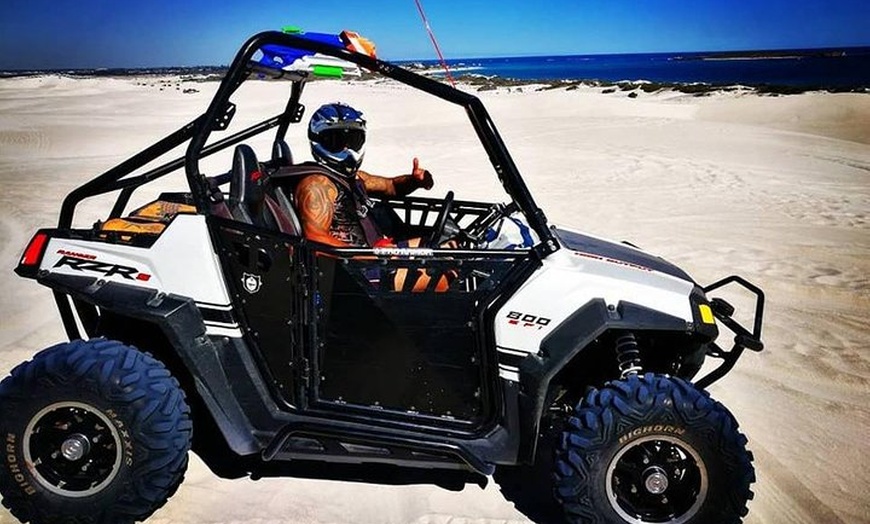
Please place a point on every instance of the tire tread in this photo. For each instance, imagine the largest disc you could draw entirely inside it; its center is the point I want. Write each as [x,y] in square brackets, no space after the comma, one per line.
[604,414]
[133,382]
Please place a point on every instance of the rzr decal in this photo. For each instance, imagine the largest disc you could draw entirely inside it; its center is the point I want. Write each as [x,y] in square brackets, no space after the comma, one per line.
[95,266]
[527,321]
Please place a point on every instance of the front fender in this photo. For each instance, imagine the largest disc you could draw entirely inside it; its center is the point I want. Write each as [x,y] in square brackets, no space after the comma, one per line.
[567,342]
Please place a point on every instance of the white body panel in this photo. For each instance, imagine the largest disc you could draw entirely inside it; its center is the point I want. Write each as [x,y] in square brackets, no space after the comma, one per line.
[182,261]
[566,282]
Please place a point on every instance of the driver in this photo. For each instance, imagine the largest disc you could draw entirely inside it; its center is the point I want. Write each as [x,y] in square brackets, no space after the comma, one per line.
[333,211]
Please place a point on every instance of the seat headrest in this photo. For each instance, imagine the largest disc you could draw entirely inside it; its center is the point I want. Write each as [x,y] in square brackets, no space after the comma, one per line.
[246,184]
[246,175]
[281,154]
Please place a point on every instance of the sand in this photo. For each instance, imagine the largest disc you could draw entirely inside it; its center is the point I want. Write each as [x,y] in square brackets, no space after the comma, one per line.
[776,189]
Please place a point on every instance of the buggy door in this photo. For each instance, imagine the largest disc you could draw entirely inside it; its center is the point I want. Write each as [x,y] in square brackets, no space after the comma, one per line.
[266,277]
[399,333]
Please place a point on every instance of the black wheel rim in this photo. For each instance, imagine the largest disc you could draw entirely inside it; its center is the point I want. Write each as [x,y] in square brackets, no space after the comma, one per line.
[73,449]
[657,479]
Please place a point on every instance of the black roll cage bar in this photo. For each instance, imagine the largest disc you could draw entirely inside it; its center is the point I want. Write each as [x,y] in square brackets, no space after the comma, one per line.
[220,111]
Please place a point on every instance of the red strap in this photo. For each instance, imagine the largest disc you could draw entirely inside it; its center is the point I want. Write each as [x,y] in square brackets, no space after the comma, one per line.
[384,242]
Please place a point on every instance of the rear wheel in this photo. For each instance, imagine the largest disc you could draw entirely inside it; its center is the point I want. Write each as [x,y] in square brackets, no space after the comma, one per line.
[652,449]
[93,432]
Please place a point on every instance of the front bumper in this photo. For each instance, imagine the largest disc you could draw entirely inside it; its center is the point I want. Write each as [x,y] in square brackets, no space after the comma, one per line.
[743,338]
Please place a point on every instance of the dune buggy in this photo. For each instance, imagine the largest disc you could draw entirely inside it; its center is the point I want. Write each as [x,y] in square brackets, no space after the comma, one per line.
[562,364]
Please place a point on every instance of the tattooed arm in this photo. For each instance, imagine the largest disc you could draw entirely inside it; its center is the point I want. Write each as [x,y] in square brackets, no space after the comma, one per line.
[315,199]
[397,186]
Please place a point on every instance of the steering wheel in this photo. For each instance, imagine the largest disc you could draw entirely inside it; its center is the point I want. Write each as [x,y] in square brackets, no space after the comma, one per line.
[476,232]
[441,221]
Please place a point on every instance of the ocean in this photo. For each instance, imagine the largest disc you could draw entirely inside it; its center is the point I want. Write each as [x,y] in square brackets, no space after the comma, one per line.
[841,69]
[836,69]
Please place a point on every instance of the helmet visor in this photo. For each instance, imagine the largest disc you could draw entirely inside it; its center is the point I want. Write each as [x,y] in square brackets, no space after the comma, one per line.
[337,140]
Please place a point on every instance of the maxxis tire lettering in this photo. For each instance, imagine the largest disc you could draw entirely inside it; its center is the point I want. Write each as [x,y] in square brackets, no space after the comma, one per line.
[126,440]
[132,392]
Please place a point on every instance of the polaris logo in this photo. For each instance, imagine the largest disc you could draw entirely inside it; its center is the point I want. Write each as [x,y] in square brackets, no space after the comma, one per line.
[611,261]
[94,266]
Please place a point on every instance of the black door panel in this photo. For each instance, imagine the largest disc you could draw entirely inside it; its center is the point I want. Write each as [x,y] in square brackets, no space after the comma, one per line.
[263,272]
[387,346]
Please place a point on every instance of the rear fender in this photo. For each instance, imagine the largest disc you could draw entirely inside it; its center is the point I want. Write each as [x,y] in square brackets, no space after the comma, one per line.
[182,324]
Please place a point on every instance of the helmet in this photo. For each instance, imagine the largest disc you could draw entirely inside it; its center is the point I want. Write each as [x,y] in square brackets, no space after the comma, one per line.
[338,135]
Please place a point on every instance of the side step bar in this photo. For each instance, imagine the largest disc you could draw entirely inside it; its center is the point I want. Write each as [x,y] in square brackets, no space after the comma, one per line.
[373,444]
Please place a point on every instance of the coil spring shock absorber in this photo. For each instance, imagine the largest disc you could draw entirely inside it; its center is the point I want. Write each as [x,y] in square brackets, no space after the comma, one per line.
[628,355]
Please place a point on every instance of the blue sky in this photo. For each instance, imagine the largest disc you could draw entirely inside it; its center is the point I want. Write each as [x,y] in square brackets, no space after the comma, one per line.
[40,34]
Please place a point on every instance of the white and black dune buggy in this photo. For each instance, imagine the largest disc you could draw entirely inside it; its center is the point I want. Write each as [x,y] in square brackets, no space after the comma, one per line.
[561,364]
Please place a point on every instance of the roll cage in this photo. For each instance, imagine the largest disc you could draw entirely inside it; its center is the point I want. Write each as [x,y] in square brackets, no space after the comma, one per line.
[221,110]
[484,281]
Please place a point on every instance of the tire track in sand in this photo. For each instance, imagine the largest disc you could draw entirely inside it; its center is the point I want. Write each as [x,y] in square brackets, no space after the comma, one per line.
[785,496]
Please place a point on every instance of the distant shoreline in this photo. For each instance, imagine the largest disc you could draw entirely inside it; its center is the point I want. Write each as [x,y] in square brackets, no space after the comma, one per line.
[791,54]
[202,73]
[693,88]
[784,71]
[482,82]
[490,82]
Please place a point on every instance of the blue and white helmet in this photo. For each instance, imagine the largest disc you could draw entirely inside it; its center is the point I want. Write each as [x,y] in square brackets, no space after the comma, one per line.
[338,136]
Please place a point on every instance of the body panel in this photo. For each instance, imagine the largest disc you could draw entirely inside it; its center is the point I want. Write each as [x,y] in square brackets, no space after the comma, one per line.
[568,280]
[181,261]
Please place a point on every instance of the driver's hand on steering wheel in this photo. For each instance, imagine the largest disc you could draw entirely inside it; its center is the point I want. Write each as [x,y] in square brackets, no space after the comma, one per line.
[422,176]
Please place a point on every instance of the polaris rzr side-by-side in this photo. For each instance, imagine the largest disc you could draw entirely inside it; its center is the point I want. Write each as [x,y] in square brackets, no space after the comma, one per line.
[561,364]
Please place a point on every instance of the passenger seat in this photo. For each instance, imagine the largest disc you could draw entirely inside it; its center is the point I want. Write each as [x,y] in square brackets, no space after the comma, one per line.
[283,157]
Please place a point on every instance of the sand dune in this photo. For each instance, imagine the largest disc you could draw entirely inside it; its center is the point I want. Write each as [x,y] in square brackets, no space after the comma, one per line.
[776,189]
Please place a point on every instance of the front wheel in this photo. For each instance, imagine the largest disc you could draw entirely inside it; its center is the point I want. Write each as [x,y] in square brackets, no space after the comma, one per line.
[94,432]
[652,449]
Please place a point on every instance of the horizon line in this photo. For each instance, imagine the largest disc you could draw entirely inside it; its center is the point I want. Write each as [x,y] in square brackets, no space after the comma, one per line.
[719,51]
[533,55]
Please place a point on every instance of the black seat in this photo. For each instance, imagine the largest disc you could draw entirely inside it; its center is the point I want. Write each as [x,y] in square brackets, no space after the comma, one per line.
[254,201]
[247,197]
[293,226]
